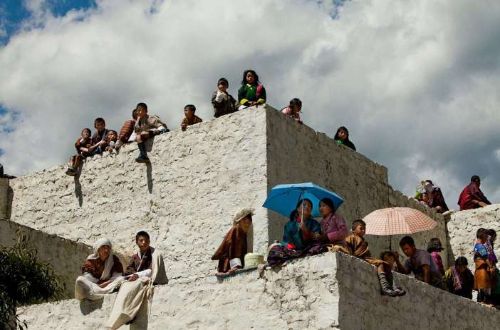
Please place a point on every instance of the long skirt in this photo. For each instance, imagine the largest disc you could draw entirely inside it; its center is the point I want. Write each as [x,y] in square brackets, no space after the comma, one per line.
[482,277]
[132,298]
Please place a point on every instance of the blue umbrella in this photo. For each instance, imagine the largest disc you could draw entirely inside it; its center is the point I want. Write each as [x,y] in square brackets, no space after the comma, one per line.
[283,198]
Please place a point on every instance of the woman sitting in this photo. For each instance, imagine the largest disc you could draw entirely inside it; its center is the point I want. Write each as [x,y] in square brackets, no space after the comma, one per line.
[301,236]
[102,273]
[301,229]
[232,250]
[251,92]
[333,226]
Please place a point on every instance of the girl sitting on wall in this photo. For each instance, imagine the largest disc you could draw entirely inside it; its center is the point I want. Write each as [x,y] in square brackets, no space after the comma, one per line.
[342,138]
[251,92]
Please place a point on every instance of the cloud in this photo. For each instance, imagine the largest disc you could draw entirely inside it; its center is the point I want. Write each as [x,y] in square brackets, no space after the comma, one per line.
[416,82]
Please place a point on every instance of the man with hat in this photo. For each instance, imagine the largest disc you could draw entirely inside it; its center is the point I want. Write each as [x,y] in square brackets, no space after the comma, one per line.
[232,250]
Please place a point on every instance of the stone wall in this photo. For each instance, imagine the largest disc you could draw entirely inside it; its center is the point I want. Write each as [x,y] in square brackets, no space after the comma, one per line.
[462,228]
[196,181]
[63,255]
[185,199]
[329,291]
[423,307]
[297,153]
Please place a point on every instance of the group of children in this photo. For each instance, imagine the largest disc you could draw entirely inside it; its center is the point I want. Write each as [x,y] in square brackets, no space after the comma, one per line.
[304,236]
[141,128]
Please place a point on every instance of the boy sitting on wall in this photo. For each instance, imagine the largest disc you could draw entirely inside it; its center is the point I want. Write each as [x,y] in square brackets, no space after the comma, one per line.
[146,127]
[98,143]
[356,245]
[82,146]
[190,118]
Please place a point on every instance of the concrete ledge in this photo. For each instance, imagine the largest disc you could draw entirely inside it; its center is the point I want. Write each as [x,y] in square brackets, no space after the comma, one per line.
[320,292]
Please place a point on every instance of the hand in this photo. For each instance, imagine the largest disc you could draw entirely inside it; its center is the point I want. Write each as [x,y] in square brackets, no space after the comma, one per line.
[104,284]
[133,277]
[482,204]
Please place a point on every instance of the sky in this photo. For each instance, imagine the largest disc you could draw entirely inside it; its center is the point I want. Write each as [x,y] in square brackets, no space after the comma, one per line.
[416,82]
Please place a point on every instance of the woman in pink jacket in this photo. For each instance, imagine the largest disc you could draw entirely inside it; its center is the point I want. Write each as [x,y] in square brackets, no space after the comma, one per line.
[333,226]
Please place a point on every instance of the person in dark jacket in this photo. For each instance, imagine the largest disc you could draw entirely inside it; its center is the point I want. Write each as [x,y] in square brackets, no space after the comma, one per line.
[232,250]
[222,101]
[342,137]
[459,279]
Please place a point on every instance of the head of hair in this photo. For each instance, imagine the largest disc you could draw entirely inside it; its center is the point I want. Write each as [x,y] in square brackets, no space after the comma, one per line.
[304,200]
[99,120]
[475,178]
[434,245]
[134,113]
[492,233]
[223,81]
[296,102]
[244,81]
[461,261]
[142,233]
[329,202]
[112,131]
[88,130]
[481,232]
[343,128]
[407,240]
[142,105]
[358,222]
[293,215]
[386,253]
[190,107]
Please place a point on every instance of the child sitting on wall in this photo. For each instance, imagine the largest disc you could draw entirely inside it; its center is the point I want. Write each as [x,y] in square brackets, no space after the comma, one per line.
[356,245]
[189,117]
[146,127]
[222,101]
[99,137]
[293,110]
[82,146]
[251,92]
[127,131]
[111,140]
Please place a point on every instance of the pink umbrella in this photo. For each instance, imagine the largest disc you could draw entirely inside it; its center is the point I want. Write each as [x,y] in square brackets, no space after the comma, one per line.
[397,221]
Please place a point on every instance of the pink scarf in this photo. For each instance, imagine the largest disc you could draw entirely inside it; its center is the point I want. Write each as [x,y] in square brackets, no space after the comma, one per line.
[457,284]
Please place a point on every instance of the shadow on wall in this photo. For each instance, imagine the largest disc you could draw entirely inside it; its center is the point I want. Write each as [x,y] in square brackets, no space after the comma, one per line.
[149,171]
[78,189]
